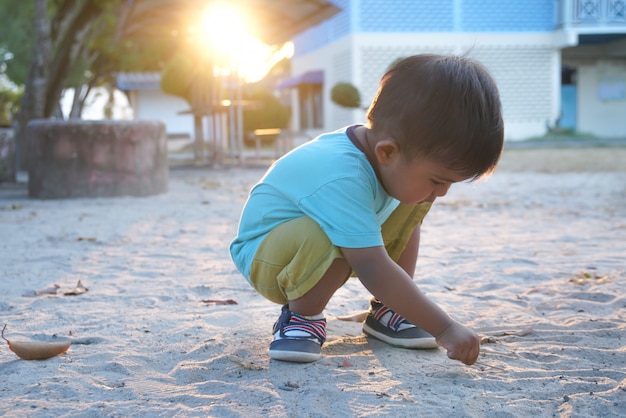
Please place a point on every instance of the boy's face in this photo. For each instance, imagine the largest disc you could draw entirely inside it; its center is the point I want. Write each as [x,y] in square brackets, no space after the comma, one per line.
[418,180]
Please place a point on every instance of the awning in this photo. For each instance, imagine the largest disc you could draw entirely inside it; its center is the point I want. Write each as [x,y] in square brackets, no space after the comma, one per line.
[138,81]
[274,21]
[310,77]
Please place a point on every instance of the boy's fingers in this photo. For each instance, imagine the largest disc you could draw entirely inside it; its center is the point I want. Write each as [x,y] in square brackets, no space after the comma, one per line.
[466,358]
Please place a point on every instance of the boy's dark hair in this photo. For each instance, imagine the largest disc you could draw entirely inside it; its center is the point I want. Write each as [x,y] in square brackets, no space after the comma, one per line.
[445,108]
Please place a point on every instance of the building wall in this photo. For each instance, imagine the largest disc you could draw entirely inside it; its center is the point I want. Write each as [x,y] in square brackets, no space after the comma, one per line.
[434,16]
[526,68]
[601,98]
[337,60]
[155,104]
[519,41]
[507,16]
[513,39]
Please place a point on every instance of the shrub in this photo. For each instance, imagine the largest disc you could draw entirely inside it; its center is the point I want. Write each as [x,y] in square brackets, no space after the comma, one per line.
[345,95]
[269,114]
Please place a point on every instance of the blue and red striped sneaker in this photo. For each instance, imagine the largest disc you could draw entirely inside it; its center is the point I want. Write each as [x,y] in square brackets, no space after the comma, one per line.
[388,326]
[297,338]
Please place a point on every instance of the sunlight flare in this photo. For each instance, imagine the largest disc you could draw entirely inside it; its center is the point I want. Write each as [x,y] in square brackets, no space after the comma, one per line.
[225,27]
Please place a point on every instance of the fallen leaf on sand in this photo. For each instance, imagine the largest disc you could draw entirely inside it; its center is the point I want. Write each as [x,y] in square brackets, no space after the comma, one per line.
[358,317]
[289,386]
[246,364]
[13,206]
[219,302]
[78,290]
[584,277]
[521,333]
[346,363]
[35,350]
[53,290]
[43,292]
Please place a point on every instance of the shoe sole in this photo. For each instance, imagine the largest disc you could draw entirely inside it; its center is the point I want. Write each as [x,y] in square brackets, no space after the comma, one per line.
[293,356]
[418,343]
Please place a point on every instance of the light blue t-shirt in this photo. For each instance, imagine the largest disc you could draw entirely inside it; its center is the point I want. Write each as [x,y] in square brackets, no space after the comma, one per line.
[327,179]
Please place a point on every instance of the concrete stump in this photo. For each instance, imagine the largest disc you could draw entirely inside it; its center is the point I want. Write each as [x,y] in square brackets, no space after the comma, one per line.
[7,156]
[96,158]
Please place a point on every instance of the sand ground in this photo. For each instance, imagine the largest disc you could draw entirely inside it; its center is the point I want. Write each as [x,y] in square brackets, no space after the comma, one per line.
[532,259]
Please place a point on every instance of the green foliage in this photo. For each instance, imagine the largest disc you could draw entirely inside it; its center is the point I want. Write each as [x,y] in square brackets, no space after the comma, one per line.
[177,77]
[346,95]
[101,57]
[17,38]
[270,113]
[9,104]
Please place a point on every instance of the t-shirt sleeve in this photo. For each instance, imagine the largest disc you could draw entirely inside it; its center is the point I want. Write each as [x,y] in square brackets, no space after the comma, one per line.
[344,209]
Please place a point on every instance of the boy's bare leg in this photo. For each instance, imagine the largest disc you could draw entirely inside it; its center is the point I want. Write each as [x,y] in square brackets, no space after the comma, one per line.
[316,299]
[408,258]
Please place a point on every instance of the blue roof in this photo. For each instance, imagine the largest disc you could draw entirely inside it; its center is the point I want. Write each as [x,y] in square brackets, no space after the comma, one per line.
[138,81]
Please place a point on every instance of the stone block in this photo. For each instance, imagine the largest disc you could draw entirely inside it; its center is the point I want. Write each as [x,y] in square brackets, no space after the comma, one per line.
[7,156]
[96,158]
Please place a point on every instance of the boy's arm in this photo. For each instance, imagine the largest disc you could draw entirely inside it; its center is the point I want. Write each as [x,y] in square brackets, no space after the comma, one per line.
[388,282]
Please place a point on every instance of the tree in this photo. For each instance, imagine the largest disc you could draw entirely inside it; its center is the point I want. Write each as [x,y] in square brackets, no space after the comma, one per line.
[60,31]
[72,43]
[269,114]
[16,39]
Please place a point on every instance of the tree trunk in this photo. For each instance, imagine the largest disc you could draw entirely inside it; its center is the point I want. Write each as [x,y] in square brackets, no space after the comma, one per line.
[58,43]
[33,101]
[78,102]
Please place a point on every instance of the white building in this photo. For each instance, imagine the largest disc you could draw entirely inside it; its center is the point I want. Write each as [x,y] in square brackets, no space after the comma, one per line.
[527,45]
[148,101]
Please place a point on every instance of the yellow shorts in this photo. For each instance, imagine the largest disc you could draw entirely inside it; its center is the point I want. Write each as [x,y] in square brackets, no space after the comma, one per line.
[294,256]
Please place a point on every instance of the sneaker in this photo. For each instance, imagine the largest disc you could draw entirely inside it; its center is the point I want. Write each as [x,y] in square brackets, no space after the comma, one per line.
[388,326]
[297,338]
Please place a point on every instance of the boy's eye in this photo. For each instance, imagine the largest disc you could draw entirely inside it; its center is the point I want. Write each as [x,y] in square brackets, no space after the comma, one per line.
[436,182]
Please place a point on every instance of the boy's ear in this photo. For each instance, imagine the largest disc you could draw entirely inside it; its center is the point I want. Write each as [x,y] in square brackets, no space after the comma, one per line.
[385,150]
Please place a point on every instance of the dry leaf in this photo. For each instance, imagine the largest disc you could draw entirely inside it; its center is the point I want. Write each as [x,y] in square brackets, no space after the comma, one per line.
[47,291]
[521,333]
[246,364]
[13,206]
[34,350]
[346,363]
[583,277]
[358,317]
[219,302]
[78,290]
[488,340]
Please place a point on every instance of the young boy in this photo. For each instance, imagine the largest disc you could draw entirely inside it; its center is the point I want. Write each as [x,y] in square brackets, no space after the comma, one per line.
[352,201]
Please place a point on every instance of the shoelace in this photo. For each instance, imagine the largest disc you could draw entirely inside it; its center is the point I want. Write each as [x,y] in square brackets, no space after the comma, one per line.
[314,327]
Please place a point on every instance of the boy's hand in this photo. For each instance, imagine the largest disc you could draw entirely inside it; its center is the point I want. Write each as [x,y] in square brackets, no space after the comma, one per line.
[461,343]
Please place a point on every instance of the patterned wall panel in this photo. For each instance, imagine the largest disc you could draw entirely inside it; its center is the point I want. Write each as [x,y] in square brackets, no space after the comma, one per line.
[406,15]
[410,16]
[508,16]
[376,60]
[524,77]
[341,72]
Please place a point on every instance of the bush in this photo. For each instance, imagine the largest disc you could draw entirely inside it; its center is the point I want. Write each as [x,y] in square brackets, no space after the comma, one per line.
[270,113]
[9,105]
[345,95]
[177,76]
